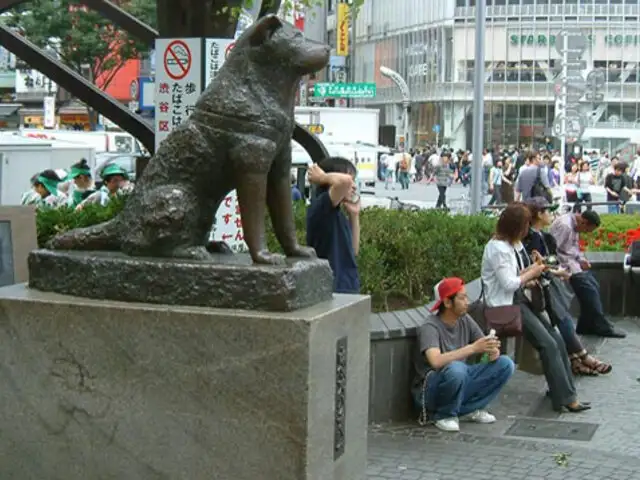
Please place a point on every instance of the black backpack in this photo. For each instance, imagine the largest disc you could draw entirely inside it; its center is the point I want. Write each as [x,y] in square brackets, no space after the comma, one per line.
[539,190]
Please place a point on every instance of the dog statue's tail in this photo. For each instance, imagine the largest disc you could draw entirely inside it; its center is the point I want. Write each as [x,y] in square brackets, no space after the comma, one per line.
[103,236]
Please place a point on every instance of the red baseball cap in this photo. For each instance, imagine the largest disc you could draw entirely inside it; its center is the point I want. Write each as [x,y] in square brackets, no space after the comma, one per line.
[447,287]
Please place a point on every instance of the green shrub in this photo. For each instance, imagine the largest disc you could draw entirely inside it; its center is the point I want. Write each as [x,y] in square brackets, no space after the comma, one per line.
[402,254]
[51,221]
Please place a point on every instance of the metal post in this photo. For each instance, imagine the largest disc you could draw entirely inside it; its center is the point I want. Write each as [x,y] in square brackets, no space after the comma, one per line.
[477,173]
[563,100]
[406,101]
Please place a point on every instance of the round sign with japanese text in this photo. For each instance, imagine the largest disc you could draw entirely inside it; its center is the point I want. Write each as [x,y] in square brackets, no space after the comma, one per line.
[571,41]
[177,60]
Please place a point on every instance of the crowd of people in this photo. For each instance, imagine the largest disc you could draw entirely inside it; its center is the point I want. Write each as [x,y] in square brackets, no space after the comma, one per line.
[531,270]
[502,167]
[528,278]
[76,187]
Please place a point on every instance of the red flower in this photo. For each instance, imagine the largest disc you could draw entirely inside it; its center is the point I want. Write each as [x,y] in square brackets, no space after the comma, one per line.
[597,243]
[610,235]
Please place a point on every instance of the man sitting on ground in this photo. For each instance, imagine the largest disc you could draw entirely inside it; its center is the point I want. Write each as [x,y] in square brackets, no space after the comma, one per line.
[446,388]
[566,231]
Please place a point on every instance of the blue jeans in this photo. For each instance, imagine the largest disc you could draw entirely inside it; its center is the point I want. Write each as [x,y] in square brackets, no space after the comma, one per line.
[459,389]
[568,333]
[613,208]
[587,290]
[404,180]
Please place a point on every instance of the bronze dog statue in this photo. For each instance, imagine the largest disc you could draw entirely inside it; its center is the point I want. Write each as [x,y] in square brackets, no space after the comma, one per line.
[238,137]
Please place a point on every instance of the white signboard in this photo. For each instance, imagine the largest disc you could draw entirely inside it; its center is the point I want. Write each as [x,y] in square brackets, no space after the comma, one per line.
[49,112]
[228,226]
[178,82]
[217,50]
[32,81]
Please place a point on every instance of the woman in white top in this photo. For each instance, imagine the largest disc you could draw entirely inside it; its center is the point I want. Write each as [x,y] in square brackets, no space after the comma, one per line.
[504,278]
[584,179]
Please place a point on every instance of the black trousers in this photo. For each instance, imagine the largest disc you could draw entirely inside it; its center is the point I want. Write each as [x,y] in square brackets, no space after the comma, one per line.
[442,197]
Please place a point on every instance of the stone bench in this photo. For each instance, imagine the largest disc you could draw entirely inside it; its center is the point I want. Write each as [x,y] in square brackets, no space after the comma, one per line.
[393,339]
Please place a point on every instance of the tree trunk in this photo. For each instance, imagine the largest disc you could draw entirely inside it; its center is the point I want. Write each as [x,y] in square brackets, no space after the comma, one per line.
[197,18]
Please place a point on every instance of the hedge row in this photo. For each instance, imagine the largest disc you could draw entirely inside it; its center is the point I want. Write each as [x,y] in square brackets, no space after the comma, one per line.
[402,254]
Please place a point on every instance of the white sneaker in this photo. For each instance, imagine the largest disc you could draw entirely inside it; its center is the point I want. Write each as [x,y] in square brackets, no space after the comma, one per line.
[480,416]
[448,424]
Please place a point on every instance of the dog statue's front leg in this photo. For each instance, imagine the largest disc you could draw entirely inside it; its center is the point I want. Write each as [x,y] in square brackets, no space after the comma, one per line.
[251,185]
[281,207]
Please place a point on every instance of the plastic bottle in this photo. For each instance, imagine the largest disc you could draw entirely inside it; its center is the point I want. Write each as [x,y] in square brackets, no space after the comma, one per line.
[485,355]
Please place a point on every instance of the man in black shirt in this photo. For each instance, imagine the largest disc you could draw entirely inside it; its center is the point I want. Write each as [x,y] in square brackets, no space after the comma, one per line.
[618,186]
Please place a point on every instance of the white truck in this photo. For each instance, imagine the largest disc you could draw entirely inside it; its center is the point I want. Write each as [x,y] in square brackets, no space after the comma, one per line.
[347,132]
[109,142]
[341,125]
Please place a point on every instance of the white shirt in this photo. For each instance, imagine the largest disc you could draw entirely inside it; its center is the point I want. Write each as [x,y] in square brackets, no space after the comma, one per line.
[500,273]
[434,159]
[635,168]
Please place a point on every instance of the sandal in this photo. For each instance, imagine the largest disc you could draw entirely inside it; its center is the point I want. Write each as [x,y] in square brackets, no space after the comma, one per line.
[579,407]
[579,368]
[596,365]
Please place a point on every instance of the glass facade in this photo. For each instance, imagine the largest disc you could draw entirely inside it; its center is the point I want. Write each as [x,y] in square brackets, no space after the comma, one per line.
[522,64]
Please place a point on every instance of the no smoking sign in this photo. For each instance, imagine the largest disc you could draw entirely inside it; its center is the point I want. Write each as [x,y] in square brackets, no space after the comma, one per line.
[177,60]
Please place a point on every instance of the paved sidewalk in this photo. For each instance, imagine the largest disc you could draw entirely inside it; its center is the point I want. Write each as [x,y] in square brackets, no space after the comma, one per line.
[411,452]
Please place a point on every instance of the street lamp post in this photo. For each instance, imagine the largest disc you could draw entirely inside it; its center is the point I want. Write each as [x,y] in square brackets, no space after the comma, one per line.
[406,102]
[477,174]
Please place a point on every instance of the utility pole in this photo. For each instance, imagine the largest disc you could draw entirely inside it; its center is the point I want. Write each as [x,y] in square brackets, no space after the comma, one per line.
[477,173]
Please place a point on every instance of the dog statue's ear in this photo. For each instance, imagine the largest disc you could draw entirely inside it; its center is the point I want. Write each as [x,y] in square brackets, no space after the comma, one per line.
[264,28]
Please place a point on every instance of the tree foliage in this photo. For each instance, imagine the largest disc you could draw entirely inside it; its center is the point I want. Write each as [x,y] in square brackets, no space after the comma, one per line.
[83,39]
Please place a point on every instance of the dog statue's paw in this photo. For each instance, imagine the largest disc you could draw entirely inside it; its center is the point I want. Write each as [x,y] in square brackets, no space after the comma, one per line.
[302,252]
[265,257]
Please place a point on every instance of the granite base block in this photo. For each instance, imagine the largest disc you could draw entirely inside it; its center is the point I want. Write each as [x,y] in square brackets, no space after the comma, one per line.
[227,281]
[103,390]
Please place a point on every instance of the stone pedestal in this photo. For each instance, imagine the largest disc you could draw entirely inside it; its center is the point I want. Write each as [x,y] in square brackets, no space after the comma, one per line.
[102,389]
[225,281]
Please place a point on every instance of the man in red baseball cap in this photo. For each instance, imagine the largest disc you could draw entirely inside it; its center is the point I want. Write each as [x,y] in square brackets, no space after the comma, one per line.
[446,388]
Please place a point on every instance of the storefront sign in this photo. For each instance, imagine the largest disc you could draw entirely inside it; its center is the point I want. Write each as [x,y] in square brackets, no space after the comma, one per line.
[419,70]
[543,40]
[317,129]
[342,30]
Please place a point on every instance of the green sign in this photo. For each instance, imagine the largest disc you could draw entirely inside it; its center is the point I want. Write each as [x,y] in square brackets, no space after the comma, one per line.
[543,40]
[345,90]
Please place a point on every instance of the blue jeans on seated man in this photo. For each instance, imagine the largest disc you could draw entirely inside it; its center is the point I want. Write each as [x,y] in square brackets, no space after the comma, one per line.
[587,290]
[459,389]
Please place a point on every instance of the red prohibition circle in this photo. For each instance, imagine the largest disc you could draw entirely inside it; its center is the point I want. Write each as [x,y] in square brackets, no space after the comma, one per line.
[227,50]
[180,66]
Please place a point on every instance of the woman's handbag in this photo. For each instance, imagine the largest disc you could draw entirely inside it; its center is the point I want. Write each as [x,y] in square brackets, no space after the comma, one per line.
[505,320]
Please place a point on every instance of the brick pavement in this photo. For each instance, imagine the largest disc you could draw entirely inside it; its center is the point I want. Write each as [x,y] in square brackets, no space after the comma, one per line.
[411,452]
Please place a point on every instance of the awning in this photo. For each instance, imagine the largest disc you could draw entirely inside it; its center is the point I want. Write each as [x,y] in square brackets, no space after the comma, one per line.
[8,109]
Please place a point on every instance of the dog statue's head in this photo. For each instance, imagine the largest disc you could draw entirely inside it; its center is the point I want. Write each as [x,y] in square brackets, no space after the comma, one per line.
[273,42]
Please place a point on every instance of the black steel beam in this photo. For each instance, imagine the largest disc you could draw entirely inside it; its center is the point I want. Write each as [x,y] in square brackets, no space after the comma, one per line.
[78,86]
[124,20]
